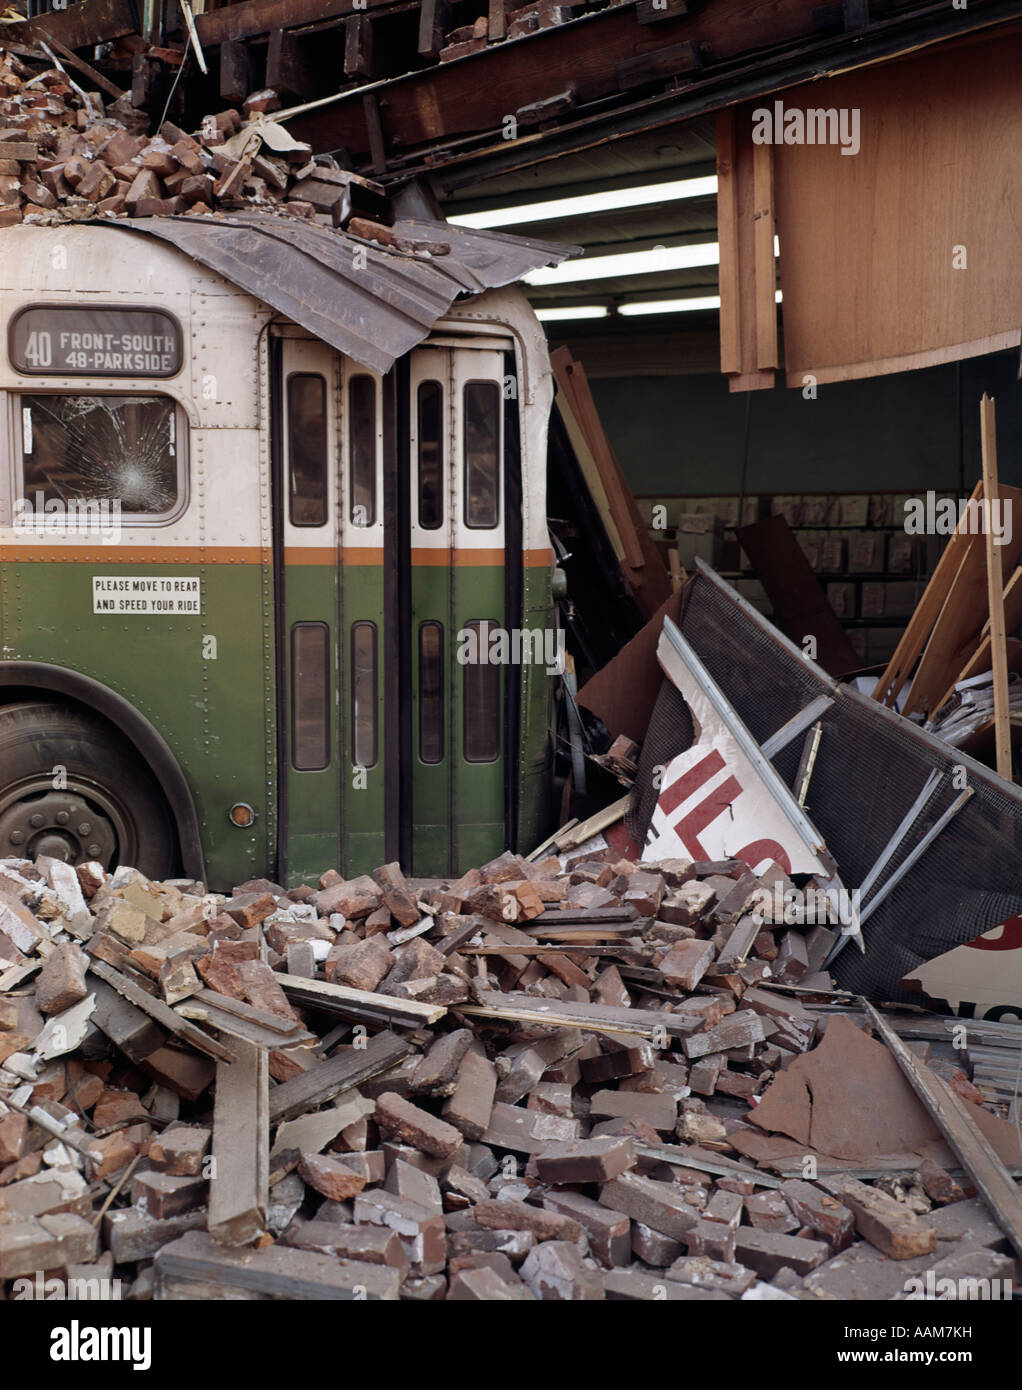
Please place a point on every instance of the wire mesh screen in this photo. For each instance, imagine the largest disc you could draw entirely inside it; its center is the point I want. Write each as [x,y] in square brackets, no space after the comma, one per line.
[669,733]
[869,770]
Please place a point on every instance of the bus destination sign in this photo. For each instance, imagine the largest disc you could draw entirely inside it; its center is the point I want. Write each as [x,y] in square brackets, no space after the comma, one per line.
[54,340]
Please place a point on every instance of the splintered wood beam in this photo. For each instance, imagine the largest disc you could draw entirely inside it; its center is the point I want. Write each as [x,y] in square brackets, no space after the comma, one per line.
[163,1014]
[995,590]
[336,1075]
[948,1112]
[239,1182]
[360,1004]
[565,1013]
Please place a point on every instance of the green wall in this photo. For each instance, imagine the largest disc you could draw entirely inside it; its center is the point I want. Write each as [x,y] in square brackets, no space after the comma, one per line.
[684,434]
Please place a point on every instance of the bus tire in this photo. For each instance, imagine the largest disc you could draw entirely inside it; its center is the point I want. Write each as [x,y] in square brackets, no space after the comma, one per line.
[72,787]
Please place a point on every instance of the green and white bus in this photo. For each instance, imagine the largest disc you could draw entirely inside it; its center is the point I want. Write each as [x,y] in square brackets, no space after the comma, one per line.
[242,549]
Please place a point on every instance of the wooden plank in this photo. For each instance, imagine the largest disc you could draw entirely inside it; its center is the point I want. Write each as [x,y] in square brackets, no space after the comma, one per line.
[764,262]
[285,1028]
[235,1026]
[235,73]
[239,1186]
[358,46]
[86,69]
[927,610]
[474,95]
[128,1028]
[291,65]
[727,239]
[432,27]
[980,659]
[956,632]
[496,20]
[564,1013]
[863,292]
[374,129]
[796,594]
[591,474]
[249,18]
[193,1267]
[572,379]
[948,1112]
[360,1003]
[995,590]
[85,24]
[336,1075]
[161,1012]
[745,234]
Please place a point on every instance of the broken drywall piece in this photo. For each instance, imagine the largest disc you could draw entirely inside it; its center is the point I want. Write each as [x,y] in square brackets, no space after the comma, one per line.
[65,1032]
[311,1133]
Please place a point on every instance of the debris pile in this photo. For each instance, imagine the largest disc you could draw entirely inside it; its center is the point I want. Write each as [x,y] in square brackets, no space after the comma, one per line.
[64,156]
[577,1078]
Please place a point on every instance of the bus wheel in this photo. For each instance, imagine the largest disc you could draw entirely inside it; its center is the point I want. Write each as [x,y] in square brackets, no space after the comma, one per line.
[73,788]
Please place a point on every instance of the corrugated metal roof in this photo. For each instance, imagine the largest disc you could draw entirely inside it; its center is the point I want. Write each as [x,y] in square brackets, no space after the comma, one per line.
[374,312]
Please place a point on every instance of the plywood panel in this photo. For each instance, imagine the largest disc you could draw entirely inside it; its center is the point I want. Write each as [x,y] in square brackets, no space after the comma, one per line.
[869,241]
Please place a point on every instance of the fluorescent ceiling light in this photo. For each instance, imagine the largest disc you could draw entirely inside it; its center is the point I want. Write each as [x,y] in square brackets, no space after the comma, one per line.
[582,311]
[609,200]
[627,263]
[674,306]
[669,306]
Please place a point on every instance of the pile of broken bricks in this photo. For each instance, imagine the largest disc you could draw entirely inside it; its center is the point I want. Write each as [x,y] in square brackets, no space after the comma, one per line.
[578,1079]
[65,156]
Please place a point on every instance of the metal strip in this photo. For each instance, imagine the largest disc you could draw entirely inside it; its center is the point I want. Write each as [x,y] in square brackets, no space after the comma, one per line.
[796,725]
[800,823]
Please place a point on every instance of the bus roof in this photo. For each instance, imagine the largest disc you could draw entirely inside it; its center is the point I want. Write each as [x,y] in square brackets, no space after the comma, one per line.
[375,306]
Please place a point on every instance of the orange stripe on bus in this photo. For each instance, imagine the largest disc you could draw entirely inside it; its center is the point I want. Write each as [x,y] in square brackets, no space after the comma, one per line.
[135,555]
[254,555]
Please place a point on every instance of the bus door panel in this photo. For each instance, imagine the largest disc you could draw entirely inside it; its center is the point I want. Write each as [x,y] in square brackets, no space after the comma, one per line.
[457,607]
[310,645]
[361,621]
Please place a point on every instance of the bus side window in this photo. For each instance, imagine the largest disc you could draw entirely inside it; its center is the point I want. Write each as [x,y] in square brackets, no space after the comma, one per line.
[310,696]
[363,694]
[431,455]
[362,449]
[307,449]
[122,449]
[481,699]
[431,692]
[482,445]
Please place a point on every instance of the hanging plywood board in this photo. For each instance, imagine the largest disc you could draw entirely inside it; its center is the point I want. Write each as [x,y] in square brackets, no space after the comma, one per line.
[747,273]
[903,252]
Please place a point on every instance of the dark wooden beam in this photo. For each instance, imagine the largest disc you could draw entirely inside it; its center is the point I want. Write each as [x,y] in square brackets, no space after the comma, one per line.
[497,21]
[86,24]
[432,27]
[292,65]
[249,18]
[358,47]
[442,103]
[374,128]
[235,73]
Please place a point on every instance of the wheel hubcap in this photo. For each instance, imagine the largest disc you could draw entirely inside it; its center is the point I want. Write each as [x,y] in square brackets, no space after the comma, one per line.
[72,825]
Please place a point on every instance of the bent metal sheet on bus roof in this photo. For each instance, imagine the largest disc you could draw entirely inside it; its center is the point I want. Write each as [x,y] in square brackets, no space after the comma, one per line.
[368,302]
